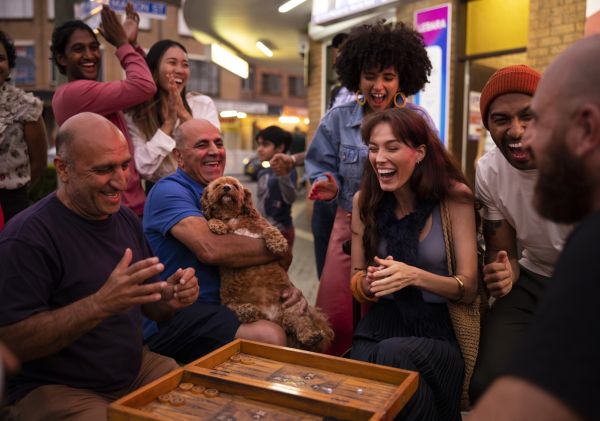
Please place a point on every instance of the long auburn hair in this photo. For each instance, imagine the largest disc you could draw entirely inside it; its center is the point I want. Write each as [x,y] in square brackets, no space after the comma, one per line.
[431,180]
[147,116]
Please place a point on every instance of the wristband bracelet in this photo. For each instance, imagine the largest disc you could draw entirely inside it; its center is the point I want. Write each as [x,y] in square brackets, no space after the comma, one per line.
[461,289]
[357,291]
[293,159]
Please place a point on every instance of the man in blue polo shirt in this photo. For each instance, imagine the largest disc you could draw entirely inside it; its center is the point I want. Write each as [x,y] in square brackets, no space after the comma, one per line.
[179,235]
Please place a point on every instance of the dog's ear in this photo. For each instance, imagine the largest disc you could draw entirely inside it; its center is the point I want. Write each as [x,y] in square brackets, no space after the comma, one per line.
[205,204]
[248,207]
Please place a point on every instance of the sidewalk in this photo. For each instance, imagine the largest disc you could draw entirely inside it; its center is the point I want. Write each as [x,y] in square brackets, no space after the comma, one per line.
[303,271]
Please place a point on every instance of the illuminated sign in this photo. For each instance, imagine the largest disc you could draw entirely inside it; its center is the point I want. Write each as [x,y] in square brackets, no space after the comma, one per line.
[329,11]
[434,25]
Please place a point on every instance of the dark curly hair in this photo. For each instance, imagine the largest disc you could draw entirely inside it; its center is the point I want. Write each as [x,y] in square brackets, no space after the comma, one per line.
[11,54]
[61,36]
[380,46]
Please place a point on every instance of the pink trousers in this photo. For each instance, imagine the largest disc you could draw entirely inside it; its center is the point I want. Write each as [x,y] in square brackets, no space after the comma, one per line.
[334,296]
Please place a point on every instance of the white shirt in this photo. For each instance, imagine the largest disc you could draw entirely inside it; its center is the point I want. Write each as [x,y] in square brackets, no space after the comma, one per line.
[153,157]
[507,193]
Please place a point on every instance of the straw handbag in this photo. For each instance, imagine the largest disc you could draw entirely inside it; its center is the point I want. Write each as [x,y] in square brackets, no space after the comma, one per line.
[466,318]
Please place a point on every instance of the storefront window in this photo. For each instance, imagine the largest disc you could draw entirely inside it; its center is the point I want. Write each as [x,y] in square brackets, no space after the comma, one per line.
[204,78]
[271,84]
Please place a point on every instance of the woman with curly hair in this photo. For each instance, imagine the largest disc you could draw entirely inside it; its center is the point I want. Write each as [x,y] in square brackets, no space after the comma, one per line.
[152,123]
[383,64]
[23,143]
[399,260]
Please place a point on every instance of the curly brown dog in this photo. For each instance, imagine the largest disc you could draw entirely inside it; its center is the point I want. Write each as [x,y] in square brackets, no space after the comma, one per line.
[254,292]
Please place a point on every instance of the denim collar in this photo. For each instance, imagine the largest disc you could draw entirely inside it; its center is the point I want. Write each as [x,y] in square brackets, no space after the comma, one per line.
[356,116]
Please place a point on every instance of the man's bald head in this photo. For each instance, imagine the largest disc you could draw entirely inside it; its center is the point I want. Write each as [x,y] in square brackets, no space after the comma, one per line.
[92,164]
[573,77]
[80,130]
[565,134]
[199,150]
[195,125]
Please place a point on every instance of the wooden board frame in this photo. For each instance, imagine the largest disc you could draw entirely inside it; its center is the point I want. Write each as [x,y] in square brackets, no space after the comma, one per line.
[204,371]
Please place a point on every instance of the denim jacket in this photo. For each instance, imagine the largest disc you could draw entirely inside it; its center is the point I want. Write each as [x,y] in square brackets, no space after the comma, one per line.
[338,149]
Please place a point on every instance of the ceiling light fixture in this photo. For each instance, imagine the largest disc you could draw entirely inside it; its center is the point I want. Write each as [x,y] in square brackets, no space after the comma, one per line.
[289,5]
[229,61]
[261,45]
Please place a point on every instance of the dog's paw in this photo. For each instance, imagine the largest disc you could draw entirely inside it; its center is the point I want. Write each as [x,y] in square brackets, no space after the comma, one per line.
[247,313]
[310,338]
[217,226]
[274,240]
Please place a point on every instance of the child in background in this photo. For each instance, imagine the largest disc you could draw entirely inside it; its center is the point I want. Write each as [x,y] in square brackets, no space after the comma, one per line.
[276,193]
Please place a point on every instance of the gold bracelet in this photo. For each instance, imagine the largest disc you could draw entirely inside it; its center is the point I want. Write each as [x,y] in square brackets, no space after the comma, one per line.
[461,289]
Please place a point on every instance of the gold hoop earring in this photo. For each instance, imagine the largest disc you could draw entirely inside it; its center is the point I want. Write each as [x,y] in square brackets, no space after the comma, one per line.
[403,100]
[358,101]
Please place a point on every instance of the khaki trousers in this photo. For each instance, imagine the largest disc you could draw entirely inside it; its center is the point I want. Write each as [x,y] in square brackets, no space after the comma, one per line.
[59,402]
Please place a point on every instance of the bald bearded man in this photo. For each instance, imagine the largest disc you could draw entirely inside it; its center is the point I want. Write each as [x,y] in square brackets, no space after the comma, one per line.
[554,375]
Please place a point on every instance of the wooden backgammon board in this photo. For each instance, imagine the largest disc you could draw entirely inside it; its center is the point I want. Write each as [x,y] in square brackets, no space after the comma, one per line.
[246,380]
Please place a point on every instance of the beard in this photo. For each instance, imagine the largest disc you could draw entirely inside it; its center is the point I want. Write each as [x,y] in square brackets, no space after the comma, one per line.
[563,191]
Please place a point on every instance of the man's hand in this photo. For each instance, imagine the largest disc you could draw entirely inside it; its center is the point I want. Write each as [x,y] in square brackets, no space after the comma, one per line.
[131,24]
[292,296]
[498,275]
[111,28]
[125,288]
[285,259]
[324,189]
[282,164]
[182,289]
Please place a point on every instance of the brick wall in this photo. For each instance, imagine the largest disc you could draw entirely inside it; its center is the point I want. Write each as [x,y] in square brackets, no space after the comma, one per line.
[315,71]
[553,26]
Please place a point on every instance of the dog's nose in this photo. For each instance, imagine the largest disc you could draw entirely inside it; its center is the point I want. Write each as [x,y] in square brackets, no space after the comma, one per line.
[226,188]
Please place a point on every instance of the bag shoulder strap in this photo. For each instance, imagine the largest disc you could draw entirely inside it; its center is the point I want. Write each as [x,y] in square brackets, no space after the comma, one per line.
[447,230]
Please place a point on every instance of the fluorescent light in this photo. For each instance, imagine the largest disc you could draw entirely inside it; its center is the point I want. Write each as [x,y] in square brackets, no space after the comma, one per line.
[288,119]
[264,49]
[241,114]
[228,113]
[289,5]
[229,61]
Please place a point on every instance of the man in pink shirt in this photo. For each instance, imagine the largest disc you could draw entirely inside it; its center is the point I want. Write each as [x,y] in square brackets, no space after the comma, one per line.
[76,52]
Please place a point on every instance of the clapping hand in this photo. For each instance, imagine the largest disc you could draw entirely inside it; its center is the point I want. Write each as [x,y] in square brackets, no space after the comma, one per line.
[169,109]
[111,29]
[182,289]
[125,286]
[131,24]
[389,276]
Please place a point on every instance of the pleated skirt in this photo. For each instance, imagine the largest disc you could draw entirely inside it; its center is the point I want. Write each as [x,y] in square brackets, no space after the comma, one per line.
[415,335]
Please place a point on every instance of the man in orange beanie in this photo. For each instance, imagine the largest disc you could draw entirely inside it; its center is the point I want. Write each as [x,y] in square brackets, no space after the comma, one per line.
[521,247]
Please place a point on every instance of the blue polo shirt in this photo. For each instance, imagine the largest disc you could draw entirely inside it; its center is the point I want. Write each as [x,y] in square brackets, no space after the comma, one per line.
[172,199]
